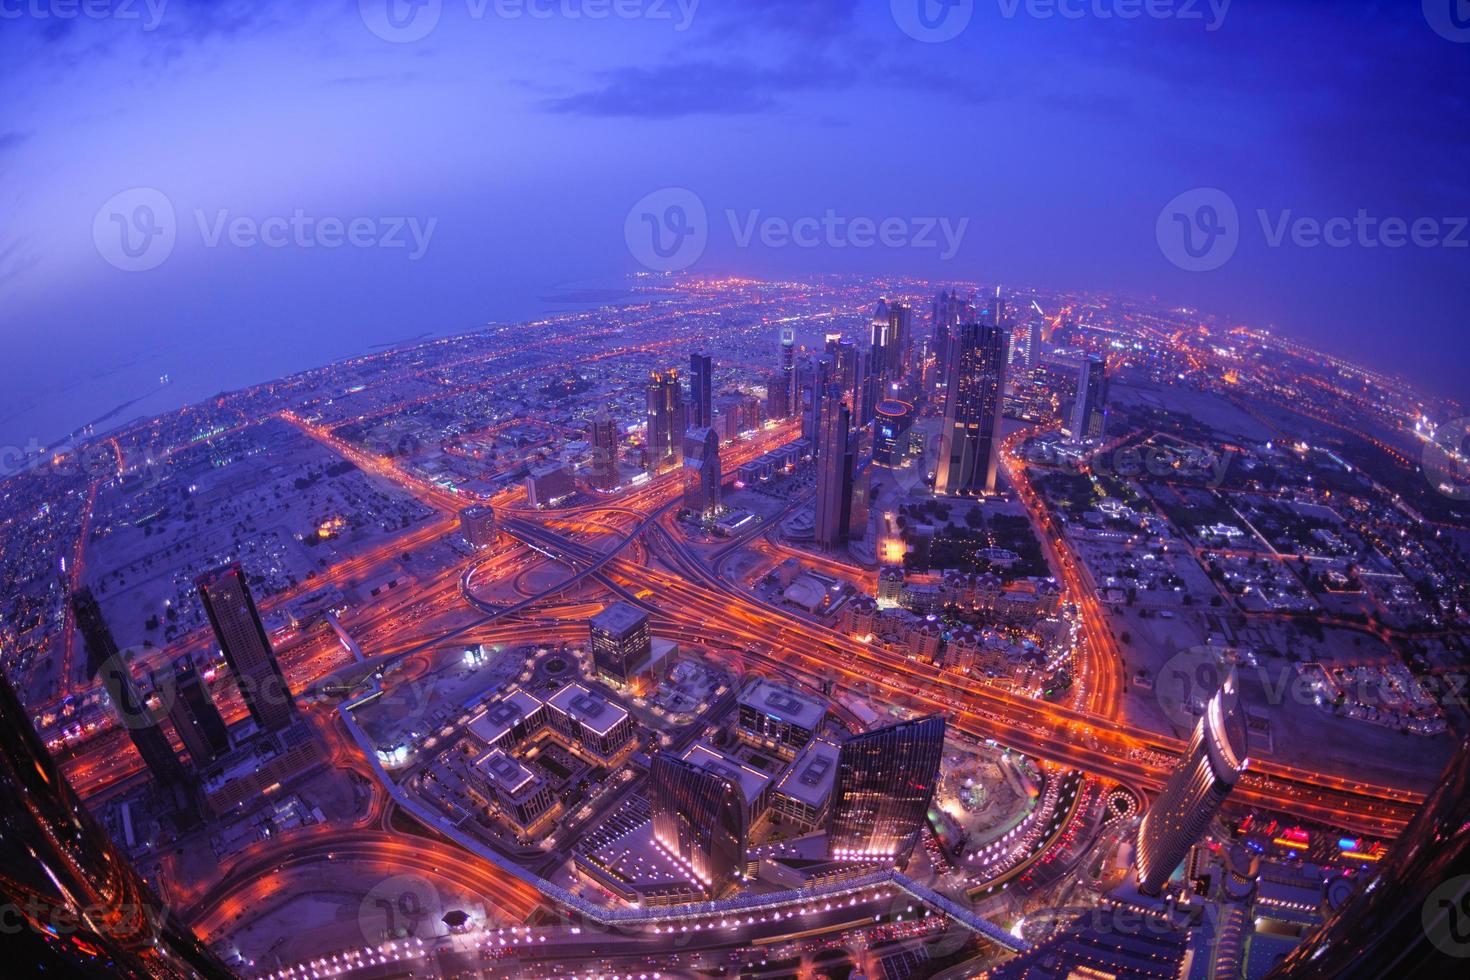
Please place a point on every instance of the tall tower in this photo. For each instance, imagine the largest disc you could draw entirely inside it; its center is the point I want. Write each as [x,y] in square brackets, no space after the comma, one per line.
[901,327]
[949,312]
[1196,790]
[104,661]
[885,782]
[1089,410]
[195,717]
[701,413]
[665,420]
[788,370]
[241,635]
[701,470]
[83,910]
[699,818]
[834,473]
[604,470]
[969,444]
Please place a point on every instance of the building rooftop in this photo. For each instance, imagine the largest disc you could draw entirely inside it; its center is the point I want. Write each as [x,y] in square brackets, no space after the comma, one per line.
[500,716]
[809,779]
[507,775]
[750,779]
[595,712]
[619,618]
[784,704]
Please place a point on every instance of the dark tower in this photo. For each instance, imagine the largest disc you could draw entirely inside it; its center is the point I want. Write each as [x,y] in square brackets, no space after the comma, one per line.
[698,816]
[85,912]
[701,413]
[885,782]
[105,663]
[195,717]
[247,649]
[969,443]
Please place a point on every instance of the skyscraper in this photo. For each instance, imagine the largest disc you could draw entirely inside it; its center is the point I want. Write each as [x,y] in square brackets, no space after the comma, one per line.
[701,470]
[76,908]
[105,662]
[834,472]
[788,370]
[816,375]
[949,312]
[665,420]
[1089,409]
[247,649]
[603,474]
[1406,918]
[195,717]
[701,411]
[885,782]
[1196,790]
[969,444]
[699,818]
[901,318]
[620,640]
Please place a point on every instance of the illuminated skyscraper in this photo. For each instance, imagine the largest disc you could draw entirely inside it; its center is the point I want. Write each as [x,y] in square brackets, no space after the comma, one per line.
[1089,409]
[195,717]
[885,782]
[75,907]
[603,473]
[969,444]
[949,312]
[701,390]
[701,470]
[834,472]
[892,330]
[105,663]
[620,641]
[1210,768]
[1407,917]
[665,421]
[699,818]
[891,425]
[247,649]
[788,370]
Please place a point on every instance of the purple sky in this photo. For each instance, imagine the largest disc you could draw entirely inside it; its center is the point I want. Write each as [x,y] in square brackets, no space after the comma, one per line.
[526,140]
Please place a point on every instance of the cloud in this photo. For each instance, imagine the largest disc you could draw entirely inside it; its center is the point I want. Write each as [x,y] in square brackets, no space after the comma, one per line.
[697,88]
[10,140]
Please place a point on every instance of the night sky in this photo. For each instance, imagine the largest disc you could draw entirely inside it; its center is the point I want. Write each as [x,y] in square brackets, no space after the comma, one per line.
[1057,140]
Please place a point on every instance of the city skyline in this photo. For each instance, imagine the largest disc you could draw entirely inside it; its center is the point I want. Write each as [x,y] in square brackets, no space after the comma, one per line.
[570,489]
